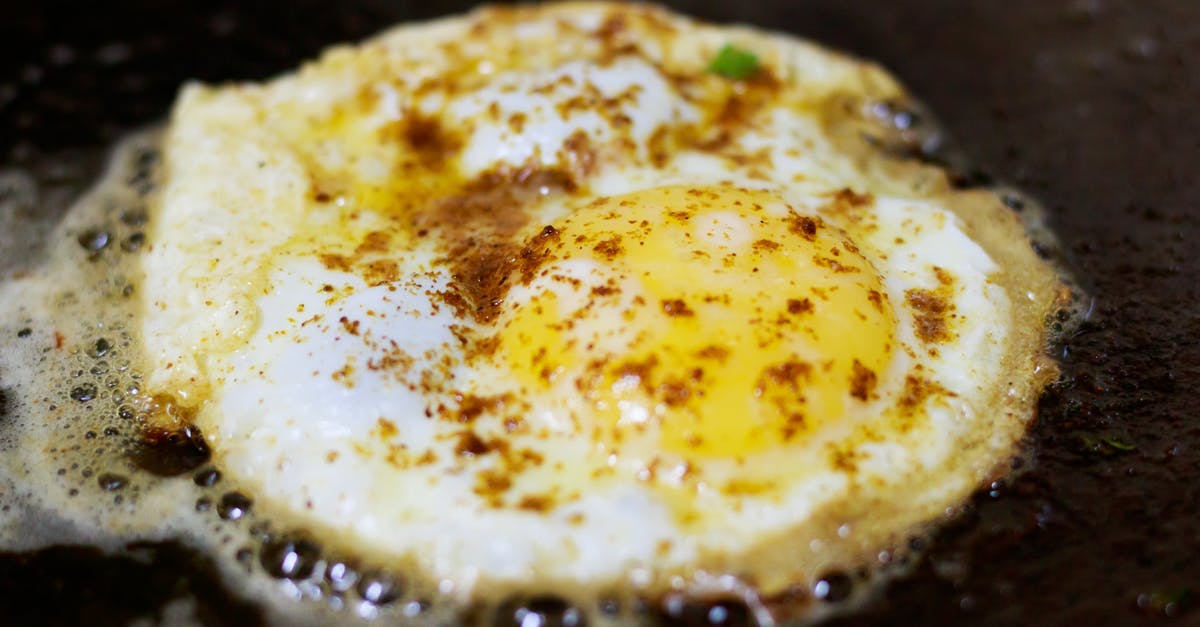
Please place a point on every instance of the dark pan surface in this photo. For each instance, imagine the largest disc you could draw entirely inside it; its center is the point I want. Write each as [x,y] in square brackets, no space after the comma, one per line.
[1093,106]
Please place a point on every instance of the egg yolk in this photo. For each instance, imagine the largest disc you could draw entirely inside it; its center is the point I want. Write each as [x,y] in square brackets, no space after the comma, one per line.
[719,318]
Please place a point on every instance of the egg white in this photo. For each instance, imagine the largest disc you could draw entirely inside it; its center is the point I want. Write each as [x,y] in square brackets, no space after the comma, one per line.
[282,352]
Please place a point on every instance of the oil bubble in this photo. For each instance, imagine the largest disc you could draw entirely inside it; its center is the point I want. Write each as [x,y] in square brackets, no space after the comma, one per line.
[233,506]
[84,393]
[94,240]
[540,611]
[833,587]
[287,558]
[340,576]
[377,588]
[207,477]
[111,481]
[99,349]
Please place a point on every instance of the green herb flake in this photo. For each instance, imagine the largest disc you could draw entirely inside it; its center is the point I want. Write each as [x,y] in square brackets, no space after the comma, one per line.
[1119,444]
[1103,445]
[733,62]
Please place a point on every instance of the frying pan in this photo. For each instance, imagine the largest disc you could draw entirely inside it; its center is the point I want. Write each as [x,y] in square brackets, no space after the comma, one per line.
[1091,106]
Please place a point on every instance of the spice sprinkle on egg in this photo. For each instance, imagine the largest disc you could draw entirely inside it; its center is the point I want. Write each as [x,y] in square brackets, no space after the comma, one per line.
[586,299]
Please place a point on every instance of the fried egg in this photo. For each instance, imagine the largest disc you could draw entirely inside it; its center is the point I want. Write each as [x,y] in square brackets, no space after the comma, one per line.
[585,299]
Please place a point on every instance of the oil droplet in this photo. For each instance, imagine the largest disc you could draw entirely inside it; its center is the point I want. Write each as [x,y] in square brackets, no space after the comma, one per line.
[413,609]
[207,477]
[134,217]
[377,588]
[99,349]
[541,611]
[340,576]
[233,506]
[110,481]
[289,559]
[84,393]
[260,531]
[94,240]
[609,607]
[1013,201]
[133,243]
[833,587]
[679,610]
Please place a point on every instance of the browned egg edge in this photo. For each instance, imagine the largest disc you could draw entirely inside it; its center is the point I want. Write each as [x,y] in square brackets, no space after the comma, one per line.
[80,403]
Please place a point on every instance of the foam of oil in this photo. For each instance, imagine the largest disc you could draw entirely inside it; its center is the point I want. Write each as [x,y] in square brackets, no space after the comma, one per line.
[72,446]
[76,466]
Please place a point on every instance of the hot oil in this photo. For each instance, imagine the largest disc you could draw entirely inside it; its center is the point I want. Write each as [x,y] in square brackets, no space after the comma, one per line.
[91,481]
[66,360]
[87,486]
[87,483]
